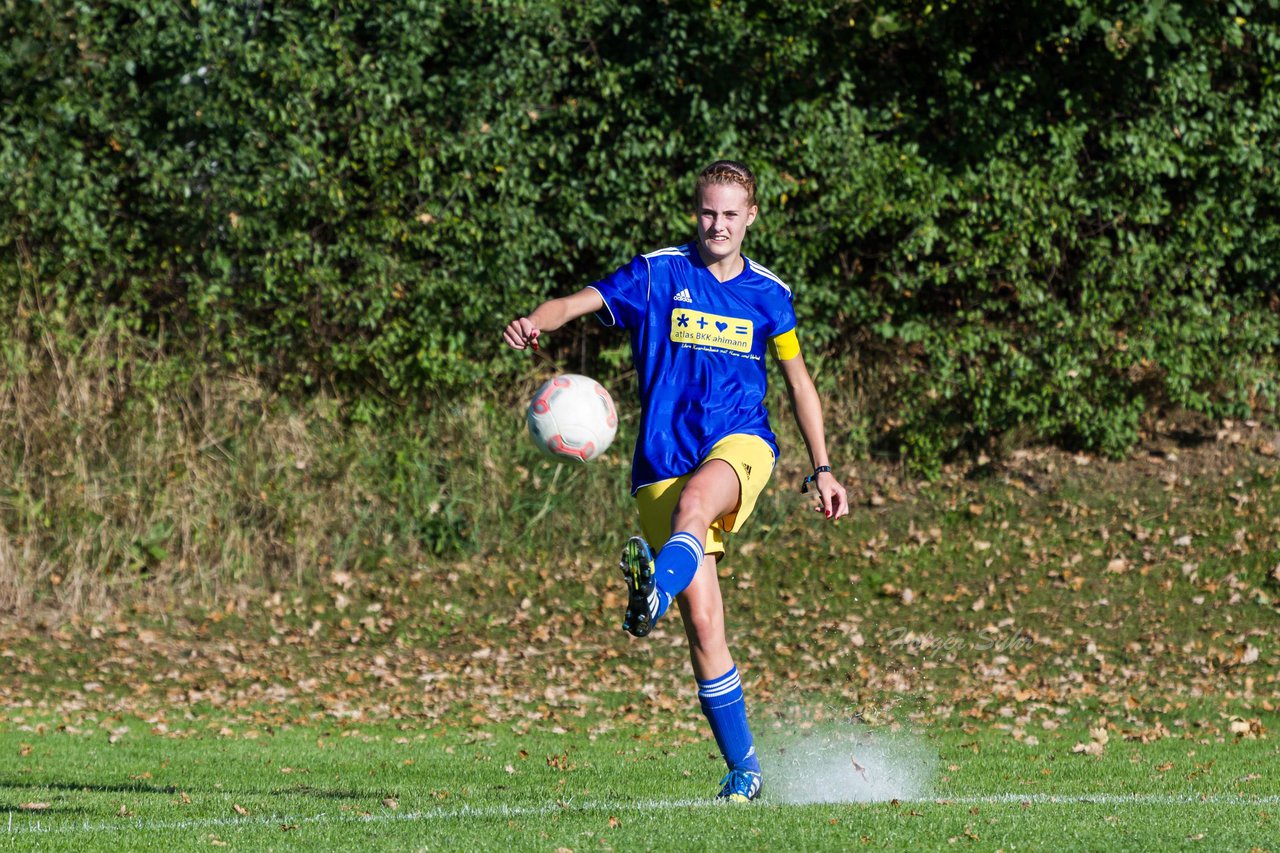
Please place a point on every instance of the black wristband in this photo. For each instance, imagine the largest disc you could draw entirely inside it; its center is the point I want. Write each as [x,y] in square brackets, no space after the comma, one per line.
[804,487]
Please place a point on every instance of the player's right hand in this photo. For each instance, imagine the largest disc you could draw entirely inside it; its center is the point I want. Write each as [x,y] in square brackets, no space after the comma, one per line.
[520,333]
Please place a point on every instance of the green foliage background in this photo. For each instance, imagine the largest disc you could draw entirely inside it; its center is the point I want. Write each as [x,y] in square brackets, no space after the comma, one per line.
[1039,219]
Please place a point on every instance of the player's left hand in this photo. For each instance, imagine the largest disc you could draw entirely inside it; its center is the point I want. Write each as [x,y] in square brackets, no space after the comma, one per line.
[832,499]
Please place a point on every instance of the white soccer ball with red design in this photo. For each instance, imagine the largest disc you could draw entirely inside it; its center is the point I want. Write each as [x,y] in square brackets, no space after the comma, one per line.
[572,417]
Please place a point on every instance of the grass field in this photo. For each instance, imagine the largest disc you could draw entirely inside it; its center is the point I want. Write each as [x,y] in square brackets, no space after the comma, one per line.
[409,786]
[1053,652]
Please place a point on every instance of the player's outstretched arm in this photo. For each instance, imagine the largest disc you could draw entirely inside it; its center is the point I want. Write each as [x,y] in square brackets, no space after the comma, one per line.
[551,315]
[808,411]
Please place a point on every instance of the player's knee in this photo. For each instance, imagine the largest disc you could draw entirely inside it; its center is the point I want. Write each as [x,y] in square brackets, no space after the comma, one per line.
[708,495]
[696,505]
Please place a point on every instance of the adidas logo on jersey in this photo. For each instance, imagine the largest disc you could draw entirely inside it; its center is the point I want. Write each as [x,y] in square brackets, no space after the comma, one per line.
[683,296]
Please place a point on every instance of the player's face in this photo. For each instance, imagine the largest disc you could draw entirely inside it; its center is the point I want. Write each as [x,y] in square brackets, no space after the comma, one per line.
[723,217]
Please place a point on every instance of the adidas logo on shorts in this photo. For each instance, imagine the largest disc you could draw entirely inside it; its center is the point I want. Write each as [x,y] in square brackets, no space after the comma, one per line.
[683,296]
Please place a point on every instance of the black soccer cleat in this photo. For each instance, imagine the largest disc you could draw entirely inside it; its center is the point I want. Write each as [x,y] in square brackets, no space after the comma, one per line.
[637,569]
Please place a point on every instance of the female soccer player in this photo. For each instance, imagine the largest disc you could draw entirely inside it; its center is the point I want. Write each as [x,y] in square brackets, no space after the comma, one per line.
[701,317]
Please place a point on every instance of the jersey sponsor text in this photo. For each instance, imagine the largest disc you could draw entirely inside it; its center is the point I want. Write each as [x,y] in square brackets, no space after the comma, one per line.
[711,330]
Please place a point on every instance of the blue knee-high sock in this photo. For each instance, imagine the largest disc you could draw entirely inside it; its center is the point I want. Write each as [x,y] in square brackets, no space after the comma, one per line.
[673,570]
[726,710]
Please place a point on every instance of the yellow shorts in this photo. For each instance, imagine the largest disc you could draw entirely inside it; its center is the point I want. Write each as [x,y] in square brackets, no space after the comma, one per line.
[752,461]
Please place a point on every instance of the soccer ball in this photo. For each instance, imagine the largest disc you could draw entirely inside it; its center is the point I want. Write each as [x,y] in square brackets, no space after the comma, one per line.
[572,417]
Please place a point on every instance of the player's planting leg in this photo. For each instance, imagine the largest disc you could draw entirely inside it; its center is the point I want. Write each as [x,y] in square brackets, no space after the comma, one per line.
[719,685]
[726,710]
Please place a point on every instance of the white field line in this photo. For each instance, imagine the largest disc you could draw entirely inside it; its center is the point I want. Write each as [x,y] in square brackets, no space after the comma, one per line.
[498,812]
[1112,799]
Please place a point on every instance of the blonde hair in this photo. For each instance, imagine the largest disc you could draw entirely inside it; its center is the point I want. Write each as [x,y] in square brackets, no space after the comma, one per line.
[726,173]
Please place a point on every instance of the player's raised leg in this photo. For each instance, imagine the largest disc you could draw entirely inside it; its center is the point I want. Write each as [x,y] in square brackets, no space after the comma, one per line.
[653,583]
[711,493]
[642,595]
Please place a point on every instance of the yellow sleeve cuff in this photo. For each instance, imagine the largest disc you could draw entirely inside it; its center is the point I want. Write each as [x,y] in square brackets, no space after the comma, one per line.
[785,346]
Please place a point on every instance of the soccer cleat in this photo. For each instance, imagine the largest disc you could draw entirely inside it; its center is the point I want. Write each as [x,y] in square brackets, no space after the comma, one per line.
[637,568]
[739,786]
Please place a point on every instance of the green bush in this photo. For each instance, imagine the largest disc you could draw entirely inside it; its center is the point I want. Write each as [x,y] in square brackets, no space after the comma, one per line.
[1044,218]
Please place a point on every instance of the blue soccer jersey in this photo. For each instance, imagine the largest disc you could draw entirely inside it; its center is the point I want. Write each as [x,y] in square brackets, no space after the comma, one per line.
[699,347]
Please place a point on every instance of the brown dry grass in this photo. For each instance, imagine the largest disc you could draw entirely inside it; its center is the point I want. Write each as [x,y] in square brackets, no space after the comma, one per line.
[133,476]
[129,475]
